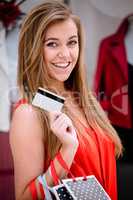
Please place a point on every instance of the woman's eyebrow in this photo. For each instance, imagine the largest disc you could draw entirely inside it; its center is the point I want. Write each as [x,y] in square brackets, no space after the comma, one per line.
[50,39]
[73,36]
[56,39]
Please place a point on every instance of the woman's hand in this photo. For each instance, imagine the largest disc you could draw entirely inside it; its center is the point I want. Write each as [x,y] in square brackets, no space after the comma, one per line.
[61,125]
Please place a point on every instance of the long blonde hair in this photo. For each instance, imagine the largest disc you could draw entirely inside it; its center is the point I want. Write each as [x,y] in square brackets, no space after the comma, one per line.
[32,72]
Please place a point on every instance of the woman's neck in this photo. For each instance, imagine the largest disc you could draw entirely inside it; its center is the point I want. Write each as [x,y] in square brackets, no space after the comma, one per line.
[58,87]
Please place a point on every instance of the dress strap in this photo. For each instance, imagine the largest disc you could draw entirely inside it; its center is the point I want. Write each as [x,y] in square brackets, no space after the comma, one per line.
[21,101]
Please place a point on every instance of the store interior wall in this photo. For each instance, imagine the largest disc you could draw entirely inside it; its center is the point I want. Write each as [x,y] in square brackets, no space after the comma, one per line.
[100,18]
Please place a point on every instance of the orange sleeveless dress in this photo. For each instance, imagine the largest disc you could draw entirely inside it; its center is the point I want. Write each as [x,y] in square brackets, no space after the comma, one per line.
[96,157]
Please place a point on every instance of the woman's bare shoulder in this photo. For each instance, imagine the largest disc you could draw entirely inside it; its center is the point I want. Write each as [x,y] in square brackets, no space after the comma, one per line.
[24,110]
[25,121]
[23,115]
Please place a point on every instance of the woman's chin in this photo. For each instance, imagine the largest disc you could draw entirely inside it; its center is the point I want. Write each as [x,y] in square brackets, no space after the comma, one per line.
[61,78]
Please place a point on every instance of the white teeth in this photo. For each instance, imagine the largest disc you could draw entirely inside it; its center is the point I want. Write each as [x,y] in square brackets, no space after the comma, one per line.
[63,65]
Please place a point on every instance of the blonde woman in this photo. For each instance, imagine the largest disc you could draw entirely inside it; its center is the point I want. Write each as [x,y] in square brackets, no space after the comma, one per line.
[51,56]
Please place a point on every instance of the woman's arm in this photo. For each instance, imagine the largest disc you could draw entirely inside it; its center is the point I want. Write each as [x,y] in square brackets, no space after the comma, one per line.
[26,139]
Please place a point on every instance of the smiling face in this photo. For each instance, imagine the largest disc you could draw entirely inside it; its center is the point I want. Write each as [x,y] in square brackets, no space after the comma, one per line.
[61,49]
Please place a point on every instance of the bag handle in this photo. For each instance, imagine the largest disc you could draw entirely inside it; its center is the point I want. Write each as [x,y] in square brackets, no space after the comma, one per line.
[64,165]
[53,173]
[33,189]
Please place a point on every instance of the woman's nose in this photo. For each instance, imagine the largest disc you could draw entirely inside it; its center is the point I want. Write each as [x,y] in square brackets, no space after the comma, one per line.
[64,52]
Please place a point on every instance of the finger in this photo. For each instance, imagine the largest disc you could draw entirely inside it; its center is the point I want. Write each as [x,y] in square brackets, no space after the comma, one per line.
[62,119]
[54,115]
[60,124]
[64,126]
[69,129]
[67,119]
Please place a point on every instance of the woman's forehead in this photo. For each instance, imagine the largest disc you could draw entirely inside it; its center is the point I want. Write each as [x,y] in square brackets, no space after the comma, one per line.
[66,28]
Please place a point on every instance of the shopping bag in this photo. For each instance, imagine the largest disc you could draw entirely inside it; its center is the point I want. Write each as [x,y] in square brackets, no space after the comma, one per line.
[80,189]
[75,188]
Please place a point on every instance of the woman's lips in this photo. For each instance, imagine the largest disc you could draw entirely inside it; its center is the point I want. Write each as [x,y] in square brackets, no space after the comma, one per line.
[61,65]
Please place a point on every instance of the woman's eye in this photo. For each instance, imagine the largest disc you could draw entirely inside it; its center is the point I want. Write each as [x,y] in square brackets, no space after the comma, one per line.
[51,44]
[72,42]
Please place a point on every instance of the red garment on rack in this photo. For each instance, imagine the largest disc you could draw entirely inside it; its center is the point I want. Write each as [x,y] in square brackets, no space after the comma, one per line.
[111,77]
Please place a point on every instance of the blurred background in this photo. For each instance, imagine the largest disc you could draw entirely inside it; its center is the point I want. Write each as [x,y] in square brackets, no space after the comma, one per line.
[101,18]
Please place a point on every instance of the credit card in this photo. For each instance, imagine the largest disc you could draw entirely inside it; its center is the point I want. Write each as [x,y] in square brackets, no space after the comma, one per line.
[48,100]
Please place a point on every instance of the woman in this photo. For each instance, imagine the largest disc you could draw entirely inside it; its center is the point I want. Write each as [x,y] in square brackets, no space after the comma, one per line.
[51,56]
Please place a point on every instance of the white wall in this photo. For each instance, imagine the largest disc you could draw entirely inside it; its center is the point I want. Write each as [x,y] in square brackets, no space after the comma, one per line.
[114,8]
[4,84]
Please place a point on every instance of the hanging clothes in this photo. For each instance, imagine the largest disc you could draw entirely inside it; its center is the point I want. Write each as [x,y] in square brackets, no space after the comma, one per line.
[111,78]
